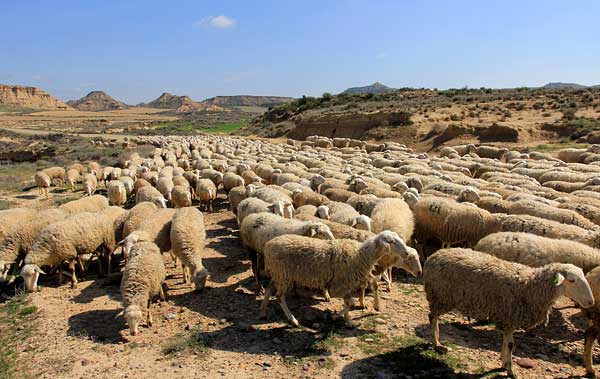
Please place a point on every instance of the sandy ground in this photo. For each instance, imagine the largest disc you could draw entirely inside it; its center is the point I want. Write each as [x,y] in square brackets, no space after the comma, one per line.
[217,334]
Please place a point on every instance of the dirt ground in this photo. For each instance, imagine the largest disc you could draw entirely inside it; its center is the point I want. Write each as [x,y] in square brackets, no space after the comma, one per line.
[216,333]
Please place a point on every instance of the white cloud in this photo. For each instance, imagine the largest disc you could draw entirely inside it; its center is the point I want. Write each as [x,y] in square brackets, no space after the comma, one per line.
[219,22]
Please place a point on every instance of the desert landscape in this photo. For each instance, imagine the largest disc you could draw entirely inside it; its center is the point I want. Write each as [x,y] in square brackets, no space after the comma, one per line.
[214,190]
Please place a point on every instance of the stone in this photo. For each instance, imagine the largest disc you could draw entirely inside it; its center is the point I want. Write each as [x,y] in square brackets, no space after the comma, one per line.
[526,363]
[170,316]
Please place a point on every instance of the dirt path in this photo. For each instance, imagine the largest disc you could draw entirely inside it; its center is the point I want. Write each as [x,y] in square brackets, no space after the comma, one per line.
[217,334]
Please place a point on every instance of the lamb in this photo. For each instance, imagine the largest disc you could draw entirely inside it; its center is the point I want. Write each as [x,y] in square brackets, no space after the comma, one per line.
[83,233]
[187,241]
[143,278]
[259,228]
[231,180]
[254,205]
[206,192]
[94,203]
[154,229]
[339,267]
[149,193]
[533,250]
[181,196]
[43,181]
[117,195]
[510,295]
[72,177]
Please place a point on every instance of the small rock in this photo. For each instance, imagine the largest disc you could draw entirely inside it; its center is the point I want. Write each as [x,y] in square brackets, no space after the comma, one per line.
[379,321]
[276,340]
[369,340]
[343,355]
[543,357]
[266,364]
[170,316]
[222,321]
[526,363]
[85,362]
[305,367]
[212,323]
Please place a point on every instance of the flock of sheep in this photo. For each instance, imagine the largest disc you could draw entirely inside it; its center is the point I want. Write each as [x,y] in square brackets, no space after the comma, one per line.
[496,234]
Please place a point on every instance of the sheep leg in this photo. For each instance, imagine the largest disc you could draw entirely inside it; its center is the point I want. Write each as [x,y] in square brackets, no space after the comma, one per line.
[257,273]
[507,349]
[149,315]
[326,295]
[174,258]
[435,333]
[590,336]
[386,276]
[375,289]
[184,273]
[73,277]
[161,293]
[80,263]
[266,299]
[361,299]
[286,310]
[345,312]
[60,276]
[108,258]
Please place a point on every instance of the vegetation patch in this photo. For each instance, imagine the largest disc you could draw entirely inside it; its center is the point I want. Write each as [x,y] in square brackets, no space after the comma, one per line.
[191,342]
[17,320]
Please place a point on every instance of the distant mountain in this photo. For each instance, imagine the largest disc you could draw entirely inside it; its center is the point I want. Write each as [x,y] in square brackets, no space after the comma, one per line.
[96,101]
[179,104]
[246,100]
[559,85]
[375,88]
[29,97]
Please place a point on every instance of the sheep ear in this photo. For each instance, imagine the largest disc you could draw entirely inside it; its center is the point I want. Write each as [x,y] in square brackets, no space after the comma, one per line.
[120,314]
[558,279]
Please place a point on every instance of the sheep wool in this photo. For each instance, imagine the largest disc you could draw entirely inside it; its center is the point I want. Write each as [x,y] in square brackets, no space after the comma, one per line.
[187,241]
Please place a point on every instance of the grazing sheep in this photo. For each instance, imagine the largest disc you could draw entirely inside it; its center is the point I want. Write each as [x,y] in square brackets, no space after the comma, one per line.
[533,250]
[149,193]
[56,173]
[510,295]
[394,215]
[137,216]
[165,186]
[143,277]
[96,169]
[72,177]
[259,228]
[340,267]
[83,233]
[187,241]
[206,192]
[93,203]
[43,181]
[128,183]
[250,176]
[117,195]
[139,183]
[181,196]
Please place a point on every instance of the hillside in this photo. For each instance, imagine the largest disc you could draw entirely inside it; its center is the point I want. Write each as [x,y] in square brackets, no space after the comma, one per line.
[180,104]
[28,97]
[246,100]
[430,118]
[375,89]
[97,101]
[559,85]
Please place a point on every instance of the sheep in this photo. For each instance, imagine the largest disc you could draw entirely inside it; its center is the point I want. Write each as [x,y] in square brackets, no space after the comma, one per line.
[231,180]
[117,195]
[345,214]
[510,295]
[533,250]
[493,204]
[139,183]
[215,176]
[254,205]
[547,228]
[268,194]
[128,183]
[588,211]
[564,216]
[165,186]
[72,177]
[593,316]
[155,229]
[57,173]
[301,198]
[236,195]
[143,278]
[83,233]
[149,193]
[118,216]
[258,228]
[338,194]
[381,192]
[43,181]
[206,192]
[394,215]
[339,231]
[364,204]
[93,203]
[96,169]
[339,267]
[187,241]
[137,216]
[89,183]
[181,196]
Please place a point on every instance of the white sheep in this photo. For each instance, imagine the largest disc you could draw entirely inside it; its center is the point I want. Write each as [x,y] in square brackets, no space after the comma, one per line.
[187,241]
[117,195]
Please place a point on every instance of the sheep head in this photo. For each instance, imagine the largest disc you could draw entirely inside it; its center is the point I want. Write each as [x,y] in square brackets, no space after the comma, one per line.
[406,257]
[362,222]
[160,202]
[199,278]
[318,230]
[323,212]
[133,316]
[572,283]
[30,274]
[400,187]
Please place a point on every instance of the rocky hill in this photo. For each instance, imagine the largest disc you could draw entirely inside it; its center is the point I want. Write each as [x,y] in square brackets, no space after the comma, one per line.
[559,85]
[375,89]
[29,97]
[245,100]
[97,101]
[180,104]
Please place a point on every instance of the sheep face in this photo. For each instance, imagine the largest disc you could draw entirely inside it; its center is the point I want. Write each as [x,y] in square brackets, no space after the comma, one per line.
[400,187]
[574,285]
[362,222]
[288,210]
[316,181]
[160,202]
[323,212]
[133,315]
[319,230]
[407,257]
[469,195]
[30,274]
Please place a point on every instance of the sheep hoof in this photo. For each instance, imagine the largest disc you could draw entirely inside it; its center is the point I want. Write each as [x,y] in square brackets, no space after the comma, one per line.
[295,323]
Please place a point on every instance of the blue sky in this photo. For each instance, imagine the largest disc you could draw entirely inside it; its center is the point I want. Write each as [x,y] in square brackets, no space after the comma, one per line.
[135,50]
